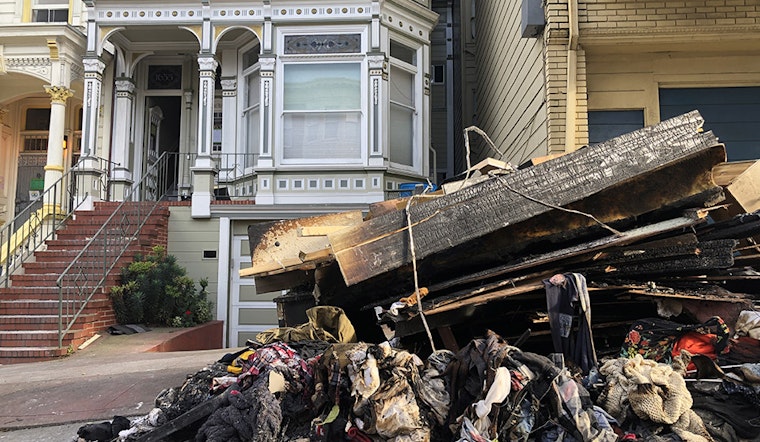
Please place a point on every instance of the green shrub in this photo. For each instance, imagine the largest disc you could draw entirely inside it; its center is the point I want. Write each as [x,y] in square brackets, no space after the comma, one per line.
[156,290]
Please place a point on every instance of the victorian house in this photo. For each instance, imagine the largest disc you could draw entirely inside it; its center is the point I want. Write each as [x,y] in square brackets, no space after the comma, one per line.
[248,111]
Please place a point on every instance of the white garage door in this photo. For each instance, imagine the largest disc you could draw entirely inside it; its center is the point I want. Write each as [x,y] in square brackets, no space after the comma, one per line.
[250,312]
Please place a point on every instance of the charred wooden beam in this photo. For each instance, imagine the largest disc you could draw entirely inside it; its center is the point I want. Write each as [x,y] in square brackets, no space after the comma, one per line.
[381,244]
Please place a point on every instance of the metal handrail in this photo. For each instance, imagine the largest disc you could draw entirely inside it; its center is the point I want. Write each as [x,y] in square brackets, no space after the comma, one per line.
[89,269]
[37,223]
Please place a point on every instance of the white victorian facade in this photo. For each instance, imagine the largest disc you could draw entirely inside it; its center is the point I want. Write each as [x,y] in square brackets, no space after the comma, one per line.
[301,107]
[282,101]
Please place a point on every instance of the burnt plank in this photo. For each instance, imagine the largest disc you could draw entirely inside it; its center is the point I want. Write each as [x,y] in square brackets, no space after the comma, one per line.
[647,254]
[578,253]
[381,244]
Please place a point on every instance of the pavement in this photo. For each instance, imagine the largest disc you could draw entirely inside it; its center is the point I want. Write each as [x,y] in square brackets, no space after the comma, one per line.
[115,375]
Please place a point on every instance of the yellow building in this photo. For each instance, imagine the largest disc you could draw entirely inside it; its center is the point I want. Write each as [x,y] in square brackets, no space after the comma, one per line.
[41,49]
[587,70]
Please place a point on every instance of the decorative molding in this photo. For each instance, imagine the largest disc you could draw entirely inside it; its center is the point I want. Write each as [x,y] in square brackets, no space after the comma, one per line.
[266,63]
[52,45]
[229,84]
[59,94]
[266,92]
[3,114]
[93,68]
[323,44]
[375,91]
[40,67]
[315,12]
[206,64]
[125,87]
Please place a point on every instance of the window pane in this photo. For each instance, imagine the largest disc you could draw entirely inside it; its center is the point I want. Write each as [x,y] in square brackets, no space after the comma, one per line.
[253,90]
[402,86]
[403,53]
[37,119]
[251,57]
[252,125]
[318,136]
[322,86]
[402,133]
[52,2]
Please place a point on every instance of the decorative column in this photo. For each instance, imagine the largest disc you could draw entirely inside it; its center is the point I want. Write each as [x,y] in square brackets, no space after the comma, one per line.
[186,160]
[54,165]
[267,64]
[265,172]
[89,171]
[233,164]
[377,64]
[121,176]
[205,169]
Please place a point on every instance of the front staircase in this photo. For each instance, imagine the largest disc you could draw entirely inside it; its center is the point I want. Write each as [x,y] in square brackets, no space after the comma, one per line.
[29,308]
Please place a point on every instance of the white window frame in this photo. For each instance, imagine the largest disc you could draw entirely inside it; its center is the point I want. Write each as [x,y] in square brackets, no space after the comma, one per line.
[417,109]
[285,59]
[243,108]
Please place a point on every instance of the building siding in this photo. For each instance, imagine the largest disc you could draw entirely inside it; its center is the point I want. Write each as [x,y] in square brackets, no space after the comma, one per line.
[511,107]
[188,238]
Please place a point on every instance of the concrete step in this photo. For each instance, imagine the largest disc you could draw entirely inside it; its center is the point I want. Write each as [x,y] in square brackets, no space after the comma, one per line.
[17,355]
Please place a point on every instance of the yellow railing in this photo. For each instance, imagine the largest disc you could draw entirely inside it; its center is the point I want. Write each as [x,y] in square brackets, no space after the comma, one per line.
[22,236]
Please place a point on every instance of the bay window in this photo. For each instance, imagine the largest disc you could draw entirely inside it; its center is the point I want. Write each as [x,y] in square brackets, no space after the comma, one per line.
[322,117]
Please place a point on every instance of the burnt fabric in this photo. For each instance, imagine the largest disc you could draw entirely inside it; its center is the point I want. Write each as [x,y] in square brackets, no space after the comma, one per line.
[721,408]
[104,431]
[252,415]
[326,323]
[567,301]
[297,371]
[655,338]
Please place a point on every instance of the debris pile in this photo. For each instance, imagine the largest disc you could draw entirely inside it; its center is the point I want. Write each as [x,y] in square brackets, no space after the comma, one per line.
[331,391]
[606,294]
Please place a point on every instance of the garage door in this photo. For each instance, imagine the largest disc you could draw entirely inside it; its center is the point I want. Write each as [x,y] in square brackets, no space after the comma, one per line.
[732,113]
[250,311]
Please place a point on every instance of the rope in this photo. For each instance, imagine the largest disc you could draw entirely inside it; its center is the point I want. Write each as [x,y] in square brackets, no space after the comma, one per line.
[544,203]
[414,271]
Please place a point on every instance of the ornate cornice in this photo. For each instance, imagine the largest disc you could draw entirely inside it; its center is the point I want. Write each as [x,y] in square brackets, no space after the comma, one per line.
[59,94]
[37,66]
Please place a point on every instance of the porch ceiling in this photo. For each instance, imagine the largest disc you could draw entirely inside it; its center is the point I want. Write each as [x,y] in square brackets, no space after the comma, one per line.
[157,38]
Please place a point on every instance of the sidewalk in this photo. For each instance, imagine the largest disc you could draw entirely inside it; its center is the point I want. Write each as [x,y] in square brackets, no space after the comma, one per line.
[115,375]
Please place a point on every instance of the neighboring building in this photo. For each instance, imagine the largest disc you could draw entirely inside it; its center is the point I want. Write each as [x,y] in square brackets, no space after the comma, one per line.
[41,49]
[604,67]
